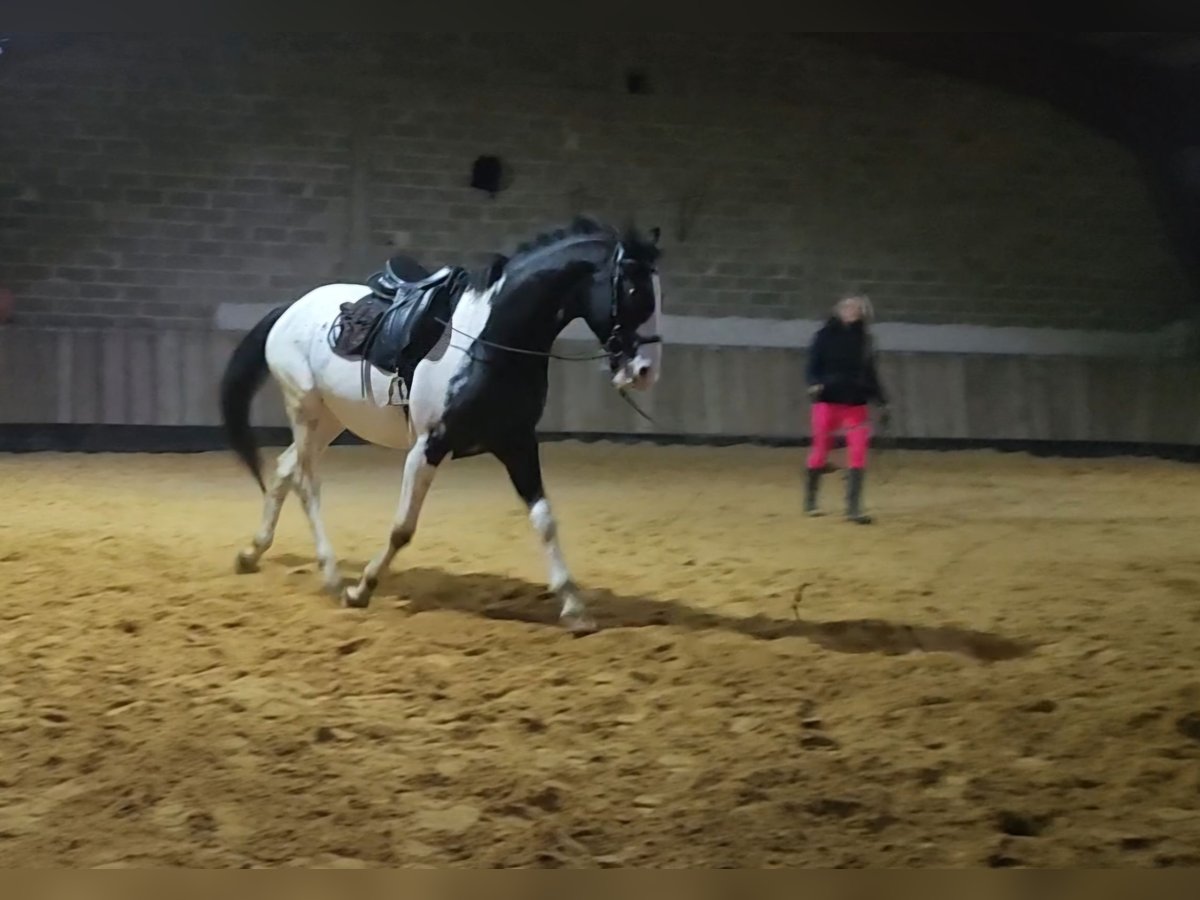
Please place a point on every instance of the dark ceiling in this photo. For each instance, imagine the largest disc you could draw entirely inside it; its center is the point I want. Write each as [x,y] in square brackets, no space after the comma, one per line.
[1141,88]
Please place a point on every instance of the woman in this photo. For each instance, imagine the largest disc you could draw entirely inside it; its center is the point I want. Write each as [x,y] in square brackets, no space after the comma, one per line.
[841,382]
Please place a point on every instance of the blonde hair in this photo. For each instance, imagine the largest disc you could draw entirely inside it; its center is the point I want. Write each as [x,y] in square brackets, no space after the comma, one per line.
[862,300]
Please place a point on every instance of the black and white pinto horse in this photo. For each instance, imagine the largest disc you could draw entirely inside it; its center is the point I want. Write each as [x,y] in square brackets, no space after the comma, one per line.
[481,388]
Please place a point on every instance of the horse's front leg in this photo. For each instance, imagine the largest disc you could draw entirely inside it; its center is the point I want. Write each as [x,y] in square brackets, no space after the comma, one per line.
[419,468]
[522,460]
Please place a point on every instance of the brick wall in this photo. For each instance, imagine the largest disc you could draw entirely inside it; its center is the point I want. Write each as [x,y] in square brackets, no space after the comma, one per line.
[144,181]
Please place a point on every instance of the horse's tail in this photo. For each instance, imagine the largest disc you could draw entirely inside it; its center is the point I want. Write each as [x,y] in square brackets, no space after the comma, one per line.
[244,375]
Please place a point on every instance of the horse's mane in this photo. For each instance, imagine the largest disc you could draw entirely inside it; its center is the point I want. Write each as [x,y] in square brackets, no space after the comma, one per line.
[636,246]
[580,226]
[484,277]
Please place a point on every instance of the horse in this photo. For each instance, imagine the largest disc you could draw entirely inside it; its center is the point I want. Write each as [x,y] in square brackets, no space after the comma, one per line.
[469,353]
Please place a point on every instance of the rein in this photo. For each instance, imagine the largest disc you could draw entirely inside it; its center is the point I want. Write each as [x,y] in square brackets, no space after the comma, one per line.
[656,339]
[637,409]
[545,354]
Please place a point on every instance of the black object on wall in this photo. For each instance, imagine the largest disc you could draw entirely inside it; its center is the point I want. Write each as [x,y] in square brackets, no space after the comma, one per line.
[487,174]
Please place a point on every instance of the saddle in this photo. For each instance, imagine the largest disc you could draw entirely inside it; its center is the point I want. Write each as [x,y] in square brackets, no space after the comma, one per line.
[396,325]
[398,272]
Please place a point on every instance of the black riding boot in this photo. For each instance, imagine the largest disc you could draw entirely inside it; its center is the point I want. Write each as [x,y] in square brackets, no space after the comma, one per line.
[854,486]
[811,485]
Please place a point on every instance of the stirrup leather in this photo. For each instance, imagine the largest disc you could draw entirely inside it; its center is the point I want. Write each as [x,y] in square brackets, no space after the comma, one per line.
[397,386]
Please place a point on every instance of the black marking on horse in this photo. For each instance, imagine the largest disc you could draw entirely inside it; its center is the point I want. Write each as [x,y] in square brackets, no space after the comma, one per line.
[495,401]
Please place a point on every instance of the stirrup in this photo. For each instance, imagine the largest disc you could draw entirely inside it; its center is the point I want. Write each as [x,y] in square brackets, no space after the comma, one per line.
[396,385]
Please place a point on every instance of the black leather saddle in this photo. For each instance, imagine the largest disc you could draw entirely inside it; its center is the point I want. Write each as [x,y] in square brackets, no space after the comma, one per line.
[395,326]
[399,274]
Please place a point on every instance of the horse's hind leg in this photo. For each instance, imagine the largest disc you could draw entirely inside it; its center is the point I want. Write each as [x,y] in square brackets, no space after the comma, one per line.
[314,428]
[419,468]
[281,483]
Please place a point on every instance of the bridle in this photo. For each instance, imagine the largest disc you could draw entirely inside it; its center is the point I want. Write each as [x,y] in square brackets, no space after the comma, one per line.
[618,344]
[613,347]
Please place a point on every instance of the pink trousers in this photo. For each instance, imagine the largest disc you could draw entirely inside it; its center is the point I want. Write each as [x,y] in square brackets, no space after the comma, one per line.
[828,418]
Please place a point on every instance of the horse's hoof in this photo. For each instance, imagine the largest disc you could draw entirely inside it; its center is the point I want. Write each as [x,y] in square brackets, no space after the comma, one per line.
[353,598]
[579,625]
[244,565]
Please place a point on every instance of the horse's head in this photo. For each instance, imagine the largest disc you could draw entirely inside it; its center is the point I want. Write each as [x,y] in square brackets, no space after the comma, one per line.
[592,271]
[624,311]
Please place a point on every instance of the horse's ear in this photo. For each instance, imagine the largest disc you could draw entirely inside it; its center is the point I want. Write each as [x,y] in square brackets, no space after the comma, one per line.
[496,268]
[655,234]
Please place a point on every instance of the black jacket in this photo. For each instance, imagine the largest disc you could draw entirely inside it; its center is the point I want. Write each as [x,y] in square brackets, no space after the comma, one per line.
[841,358]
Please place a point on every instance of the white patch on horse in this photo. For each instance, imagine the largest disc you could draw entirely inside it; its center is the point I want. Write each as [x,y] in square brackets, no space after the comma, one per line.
[542,518]
[434,374]
[298,355]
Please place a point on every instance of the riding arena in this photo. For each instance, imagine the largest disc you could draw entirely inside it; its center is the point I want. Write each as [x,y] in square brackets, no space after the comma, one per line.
[433,493]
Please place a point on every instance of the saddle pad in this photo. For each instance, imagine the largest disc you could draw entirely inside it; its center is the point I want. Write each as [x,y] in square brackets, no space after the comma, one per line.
[354,326]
